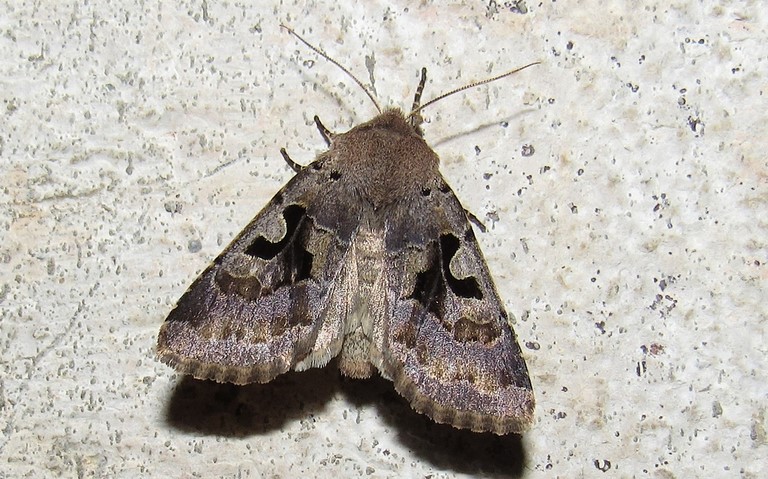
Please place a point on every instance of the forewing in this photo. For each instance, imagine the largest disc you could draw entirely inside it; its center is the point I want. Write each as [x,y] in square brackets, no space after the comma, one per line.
[275,299]
[442,334]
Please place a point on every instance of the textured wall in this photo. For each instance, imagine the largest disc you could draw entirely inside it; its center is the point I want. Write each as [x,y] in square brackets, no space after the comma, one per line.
[630,246]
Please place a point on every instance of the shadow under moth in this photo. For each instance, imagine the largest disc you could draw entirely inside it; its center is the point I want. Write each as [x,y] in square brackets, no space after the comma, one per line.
[367,255]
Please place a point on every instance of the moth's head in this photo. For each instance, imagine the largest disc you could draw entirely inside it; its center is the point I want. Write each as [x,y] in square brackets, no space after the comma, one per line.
[394,120]
[390,141]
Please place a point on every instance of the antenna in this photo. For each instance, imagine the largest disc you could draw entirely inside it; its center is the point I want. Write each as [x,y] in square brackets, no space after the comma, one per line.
[328,57]
[417,108]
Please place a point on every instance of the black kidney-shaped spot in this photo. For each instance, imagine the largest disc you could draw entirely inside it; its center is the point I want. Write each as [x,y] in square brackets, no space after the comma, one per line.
[265,249]
[296,262]
[465,287]
[433,283]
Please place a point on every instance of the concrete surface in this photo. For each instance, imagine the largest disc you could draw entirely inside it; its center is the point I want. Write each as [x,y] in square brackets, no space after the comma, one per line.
[630,246]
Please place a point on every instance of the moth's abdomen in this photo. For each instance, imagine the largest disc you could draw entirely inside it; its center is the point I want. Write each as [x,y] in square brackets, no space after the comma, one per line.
[368,255]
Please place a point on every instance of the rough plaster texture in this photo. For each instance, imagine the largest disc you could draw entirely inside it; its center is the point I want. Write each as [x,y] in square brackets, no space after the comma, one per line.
[630,246]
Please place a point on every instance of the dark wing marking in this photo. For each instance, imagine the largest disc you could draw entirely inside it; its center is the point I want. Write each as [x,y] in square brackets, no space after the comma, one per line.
[444,337]
[275,299]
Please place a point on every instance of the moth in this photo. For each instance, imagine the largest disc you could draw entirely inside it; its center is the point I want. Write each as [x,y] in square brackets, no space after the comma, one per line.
[365,255]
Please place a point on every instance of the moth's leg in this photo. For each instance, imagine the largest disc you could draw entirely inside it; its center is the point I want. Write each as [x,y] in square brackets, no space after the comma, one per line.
[324,132]
[476,221]
[294,166]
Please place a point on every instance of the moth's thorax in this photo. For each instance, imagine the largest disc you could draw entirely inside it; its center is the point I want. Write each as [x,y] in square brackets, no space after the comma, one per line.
[385,159]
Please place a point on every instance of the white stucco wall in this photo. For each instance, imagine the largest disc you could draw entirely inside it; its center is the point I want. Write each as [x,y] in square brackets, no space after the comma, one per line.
[630,247]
